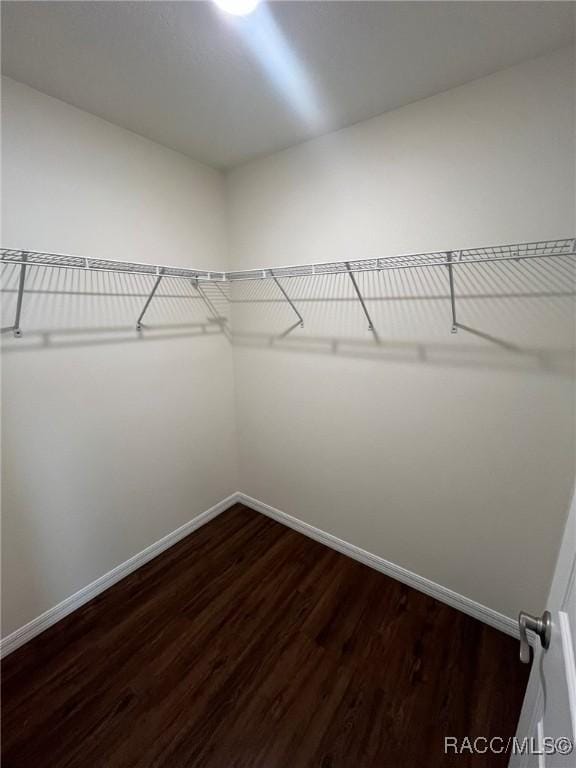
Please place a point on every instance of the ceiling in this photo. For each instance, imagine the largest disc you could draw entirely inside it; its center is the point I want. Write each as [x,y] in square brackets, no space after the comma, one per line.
[224,89]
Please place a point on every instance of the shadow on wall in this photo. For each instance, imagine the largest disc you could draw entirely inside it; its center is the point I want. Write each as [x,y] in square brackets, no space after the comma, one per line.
[65,308]
[517,315]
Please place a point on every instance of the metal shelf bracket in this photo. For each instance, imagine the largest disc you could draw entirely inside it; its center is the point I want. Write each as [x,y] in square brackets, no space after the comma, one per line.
[288,299]
[449,257]
[362,302]
[17,329]
[148,300]
[216,316]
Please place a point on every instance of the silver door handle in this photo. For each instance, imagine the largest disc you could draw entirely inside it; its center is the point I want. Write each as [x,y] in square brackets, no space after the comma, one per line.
[540,625]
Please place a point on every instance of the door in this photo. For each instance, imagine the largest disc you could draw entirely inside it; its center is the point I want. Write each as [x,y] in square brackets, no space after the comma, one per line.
[546,736]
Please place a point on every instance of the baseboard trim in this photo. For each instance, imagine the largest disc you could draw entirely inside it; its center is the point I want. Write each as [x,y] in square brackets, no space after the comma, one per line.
[431,588]
[52,615]
[454,599]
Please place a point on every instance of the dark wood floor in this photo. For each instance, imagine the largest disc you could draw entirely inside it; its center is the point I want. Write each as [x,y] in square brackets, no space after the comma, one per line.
[248,644]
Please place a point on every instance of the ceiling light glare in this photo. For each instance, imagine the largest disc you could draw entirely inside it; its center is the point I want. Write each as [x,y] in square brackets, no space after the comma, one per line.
[237,7]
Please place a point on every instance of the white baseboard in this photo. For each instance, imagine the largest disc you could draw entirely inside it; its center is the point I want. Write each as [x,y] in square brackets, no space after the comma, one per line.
[445,595]
[84,595]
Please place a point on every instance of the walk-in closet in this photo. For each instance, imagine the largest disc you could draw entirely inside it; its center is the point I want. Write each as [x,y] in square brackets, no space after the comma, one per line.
[288,384]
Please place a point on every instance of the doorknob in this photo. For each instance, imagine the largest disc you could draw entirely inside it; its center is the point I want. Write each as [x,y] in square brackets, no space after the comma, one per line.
[540,625]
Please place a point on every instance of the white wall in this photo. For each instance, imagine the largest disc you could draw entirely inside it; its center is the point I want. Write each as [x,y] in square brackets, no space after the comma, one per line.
[450,455]
[110,441]
[74,183]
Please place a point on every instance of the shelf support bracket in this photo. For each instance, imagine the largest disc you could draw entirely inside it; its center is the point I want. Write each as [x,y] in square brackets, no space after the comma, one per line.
[288,299]
[17,329]
[148,300]
[449,257]
[362,302]
[216,317]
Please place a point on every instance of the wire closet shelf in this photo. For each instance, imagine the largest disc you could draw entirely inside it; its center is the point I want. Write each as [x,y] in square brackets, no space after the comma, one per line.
[484,255]
[542,249]
[487,254]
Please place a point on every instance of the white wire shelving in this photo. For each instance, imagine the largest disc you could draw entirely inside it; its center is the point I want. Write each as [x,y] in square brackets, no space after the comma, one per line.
[62,261]
[449,259]
[487,254]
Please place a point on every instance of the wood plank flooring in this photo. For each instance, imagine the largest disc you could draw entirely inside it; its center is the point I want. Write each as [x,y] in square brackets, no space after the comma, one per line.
[249,645]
